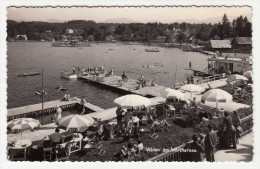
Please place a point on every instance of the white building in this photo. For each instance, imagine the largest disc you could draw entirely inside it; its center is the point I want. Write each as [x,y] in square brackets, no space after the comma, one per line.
[69,31]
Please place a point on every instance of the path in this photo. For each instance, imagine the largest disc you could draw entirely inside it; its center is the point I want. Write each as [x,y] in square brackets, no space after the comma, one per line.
[244,151]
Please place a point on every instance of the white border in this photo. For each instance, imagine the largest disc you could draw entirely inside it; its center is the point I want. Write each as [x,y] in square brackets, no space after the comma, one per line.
[33,165]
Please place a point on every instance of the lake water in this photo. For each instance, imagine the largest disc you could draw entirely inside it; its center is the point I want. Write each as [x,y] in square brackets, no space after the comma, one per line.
[33,56]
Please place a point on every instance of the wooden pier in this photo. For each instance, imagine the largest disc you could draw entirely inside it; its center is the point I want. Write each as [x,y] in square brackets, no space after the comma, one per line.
[131,86]
[49,107]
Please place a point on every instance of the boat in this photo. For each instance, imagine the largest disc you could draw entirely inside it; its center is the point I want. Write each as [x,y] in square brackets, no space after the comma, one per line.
[152,66]
[20,45]
[72,43]
[221,64]
[152,50]
[69,75]
[40,92]
[28,74]
[60,88]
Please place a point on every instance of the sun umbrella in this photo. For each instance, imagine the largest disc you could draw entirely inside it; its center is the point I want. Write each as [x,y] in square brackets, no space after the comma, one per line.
[217,95]
[132,100]
[248,74]
[22,124]
[192,88]
[168,93]
[75,122]
[236,77]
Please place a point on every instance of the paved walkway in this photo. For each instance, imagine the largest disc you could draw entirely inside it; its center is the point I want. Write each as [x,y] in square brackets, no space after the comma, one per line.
[244,151]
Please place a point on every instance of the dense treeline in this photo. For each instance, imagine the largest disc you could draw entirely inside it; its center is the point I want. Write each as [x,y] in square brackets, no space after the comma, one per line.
[135,31]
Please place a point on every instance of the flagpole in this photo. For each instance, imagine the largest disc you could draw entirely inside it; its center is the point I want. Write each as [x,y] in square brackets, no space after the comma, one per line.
[175,77]
[42,96]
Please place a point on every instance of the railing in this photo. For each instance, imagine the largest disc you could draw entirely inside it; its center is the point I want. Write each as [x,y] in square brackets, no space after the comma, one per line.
[180,154]
[205,80]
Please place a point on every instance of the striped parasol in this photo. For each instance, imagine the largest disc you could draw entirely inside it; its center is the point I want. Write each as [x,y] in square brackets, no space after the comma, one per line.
[75,123]
[22,124]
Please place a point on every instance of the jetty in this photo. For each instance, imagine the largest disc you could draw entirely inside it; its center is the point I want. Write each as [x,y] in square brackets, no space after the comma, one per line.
[48,108]
[131,86]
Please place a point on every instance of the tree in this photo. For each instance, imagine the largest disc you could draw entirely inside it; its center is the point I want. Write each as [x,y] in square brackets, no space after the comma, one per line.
[225,28]
[181,38]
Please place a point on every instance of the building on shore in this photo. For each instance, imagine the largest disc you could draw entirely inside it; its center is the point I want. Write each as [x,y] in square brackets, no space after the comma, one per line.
[21,37]
[69,31]
[242,43]
[110,38]
[159,39]
[220,45]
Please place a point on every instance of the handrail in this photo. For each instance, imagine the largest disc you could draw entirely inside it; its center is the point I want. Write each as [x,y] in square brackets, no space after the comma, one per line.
[173,153]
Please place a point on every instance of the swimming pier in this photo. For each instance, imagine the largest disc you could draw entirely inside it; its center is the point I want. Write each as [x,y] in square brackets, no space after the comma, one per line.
[49,107]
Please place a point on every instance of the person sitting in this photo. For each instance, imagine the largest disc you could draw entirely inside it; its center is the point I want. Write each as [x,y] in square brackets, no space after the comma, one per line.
[124,77]
[66,97]
[56,138]
[140,146]
[131,152]
[194,103]
[152,84]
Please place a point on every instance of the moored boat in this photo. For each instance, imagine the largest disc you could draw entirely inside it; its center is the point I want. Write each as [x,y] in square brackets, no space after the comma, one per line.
[28,74]
[69,75]
[72,43]
[152,50]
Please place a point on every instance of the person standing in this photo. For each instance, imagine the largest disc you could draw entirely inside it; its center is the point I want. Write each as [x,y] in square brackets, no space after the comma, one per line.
[190,64]
[195,145]
[237,123]
[127,117]
[82,102]
[209,143]
[57,115]
[230,133]
[119,117]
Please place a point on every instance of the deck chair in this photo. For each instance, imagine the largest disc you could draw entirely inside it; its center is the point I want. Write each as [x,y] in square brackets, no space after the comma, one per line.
[148,132]
[47,154]
[95,148]
[62,154]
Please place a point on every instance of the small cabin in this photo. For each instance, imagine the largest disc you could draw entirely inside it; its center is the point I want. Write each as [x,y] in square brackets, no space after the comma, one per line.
[242,43]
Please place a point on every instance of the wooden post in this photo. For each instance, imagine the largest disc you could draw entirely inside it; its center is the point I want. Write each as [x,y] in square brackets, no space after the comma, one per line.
[175,78]
[42,96]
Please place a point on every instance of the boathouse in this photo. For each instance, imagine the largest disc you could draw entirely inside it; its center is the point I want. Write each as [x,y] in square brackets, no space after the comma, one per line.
[21,37]
[220,45]
[242,43]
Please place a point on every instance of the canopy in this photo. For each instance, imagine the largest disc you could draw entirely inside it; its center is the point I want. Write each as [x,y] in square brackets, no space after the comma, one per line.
[22,124]
[236,77]
[192,88]
[132,100]
[248,74]
[75,123]
[217,95]
[168,93]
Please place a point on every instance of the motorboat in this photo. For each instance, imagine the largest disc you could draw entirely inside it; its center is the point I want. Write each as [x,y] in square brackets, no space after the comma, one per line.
[40,92]
[28,74]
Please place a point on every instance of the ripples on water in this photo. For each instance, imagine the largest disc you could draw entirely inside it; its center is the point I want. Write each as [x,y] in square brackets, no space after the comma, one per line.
[130,58]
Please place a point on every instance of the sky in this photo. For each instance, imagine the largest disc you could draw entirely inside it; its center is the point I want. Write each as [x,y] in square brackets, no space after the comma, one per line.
[140,14]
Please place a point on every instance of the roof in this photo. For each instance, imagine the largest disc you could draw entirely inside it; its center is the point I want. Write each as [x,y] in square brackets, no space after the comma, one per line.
[220,44]
[243,40]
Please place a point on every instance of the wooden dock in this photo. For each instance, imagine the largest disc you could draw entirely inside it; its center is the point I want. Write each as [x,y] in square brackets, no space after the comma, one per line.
[131,86]
[36,109]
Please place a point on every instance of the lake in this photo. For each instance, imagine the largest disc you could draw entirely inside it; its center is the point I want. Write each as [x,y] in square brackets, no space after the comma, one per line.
[33,56]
